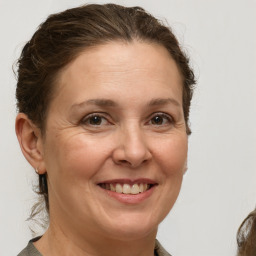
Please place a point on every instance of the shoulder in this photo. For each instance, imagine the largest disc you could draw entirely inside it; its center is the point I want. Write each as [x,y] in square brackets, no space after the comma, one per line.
[159,250]
[30,249]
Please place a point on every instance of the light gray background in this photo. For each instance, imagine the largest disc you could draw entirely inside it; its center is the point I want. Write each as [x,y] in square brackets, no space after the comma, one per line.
[219,188]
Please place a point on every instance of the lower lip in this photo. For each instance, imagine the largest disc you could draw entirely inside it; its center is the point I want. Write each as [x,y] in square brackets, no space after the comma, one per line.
[129,198]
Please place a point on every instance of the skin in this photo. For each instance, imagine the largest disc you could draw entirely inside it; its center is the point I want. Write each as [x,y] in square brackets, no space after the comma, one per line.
[135,92]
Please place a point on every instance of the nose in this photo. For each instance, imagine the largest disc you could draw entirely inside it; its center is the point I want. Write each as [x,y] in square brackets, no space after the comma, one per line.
[131,148]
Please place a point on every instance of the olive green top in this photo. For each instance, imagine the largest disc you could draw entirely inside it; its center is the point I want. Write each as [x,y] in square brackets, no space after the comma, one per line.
[31,250]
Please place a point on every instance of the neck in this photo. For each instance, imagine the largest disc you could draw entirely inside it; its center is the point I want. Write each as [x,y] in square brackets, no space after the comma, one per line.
[57,241]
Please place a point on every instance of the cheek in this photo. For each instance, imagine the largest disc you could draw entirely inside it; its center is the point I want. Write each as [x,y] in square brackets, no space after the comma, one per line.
[83,156]
[72,164]
[172,154]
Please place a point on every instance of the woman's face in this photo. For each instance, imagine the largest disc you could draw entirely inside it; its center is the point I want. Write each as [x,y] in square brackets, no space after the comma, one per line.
[115,146]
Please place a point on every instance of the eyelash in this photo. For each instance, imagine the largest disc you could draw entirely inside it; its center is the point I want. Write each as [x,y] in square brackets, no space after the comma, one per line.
[164,116]
[88,118]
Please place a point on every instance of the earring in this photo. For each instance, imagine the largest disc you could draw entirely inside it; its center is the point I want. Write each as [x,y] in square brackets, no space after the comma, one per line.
[36,170]
[44,183]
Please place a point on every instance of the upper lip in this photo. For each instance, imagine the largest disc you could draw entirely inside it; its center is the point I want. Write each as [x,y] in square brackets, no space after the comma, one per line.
[129,181]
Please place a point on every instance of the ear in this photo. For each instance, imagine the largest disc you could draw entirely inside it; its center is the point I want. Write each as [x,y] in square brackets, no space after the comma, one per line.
[31,142]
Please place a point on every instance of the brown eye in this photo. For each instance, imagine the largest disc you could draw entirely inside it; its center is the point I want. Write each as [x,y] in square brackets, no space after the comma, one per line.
[95,120]
[157,120]
[160,119]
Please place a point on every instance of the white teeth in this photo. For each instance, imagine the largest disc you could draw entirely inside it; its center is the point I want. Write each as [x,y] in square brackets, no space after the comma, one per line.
[126,188]
[119,188]
[112,188]
[135,189]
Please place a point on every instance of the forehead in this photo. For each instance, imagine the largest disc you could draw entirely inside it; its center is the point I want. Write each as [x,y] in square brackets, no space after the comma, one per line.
[122,65]
[121,56]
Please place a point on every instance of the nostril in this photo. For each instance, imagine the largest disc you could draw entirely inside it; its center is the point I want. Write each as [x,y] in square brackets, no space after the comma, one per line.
[124,161]
[132,163]
[130,156]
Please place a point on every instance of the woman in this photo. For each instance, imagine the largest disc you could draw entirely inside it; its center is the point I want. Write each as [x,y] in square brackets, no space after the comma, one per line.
[103,95]
[246,236]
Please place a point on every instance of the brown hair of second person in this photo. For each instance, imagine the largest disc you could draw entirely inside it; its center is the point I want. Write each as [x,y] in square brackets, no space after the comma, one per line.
[246,236]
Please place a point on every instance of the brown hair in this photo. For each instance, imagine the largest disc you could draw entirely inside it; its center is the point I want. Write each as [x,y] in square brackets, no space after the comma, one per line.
[246,236]
[64,35]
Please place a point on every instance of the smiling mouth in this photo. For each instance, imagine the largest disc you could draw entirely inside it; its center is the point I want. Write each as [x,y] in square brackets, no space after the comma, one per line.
[125,188]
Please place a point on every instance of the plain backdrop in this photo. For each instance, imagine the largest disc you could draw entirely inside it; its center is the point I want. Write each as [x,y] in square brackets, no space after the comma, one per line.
[219,188]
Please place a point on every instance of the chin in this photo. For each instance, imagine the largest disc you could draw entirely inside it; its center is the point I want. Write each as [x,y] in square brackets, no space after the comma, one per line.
[130,228]
[133,233]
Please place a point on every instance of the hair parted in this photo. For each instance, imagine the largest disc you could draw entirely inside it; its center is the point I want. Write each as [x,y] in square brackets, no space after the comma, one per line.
[246,236]
[63,36]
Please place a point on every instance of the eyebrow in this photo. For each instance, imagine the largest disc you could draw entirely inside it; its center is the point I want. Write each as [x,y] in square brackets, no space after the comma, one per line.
[96,102]
[161,102]
[111,103]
